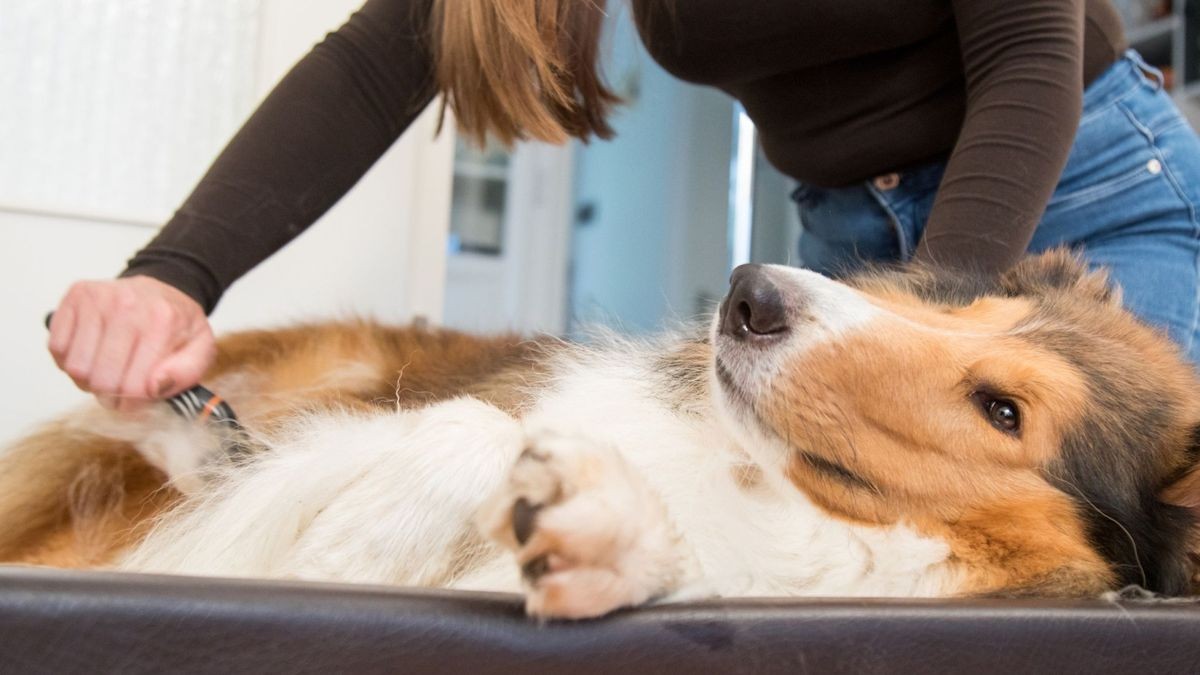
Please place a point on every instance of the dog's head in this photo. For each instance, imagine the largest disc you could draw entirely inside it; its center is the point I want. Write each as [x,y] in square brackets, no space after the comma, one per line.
[1029,421]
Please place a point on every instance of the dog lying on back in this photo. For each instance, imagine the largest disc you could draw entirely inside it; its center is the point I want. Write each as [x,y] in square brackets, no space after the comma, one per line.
[901,434]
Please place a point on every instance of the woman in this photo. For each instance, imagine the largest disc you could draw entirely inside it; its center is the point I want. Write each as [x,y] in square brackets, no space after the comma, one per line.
[939,129]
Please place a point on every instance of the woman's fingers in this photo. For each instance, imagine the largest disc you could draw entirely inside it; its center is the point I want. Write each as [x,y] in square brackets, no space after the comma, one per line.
[131,340]
[137,388]
[85,341]
[62,328]
[117,345]
[184,368]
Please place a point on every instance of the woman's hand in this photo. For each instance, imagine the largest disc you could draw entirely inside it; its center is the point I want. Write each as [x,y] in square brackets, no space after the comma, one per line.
[130,341]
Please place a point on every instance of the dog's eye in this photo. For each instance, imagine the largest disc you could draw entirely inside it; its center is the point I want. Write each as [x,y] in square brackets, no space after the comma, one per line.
[1001,412]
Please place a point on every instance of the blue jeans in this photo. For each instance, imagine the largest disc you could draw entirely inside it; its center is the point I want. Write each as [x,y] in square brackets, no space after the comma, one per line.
[1127,199]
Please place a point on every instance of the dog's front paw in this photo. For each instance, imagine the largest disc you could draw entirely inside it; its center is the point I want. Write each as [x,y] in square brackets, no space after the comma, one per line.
[588,533]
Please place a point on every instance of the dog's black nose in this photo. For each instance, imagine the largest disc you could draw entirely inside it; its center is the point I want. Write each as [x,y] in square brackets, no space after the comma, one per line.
[754,307]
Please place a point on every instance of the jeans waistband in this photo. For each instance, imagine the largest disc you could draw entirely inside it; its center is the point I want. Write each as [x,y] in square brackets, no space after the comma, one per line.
[1114,83]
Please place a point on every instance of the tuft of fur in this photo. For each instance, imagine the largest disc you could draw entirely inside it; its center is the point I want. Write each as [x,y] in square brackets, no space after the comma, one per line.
[70,497]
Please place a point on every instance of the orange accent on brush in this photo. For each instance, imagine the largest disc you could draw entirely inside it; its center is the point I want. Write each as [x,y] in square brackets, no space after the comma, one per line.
[209,407]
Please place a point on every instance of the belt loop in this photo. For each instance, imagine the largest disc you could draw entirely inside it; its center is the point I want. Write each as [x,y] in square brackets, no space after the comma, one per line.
[1147,69]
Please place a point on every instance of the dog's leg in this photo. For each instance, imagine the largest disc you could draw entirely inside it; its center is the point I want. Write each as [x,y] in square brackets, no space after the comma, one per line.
[589,534]
[384,498]
[406,518]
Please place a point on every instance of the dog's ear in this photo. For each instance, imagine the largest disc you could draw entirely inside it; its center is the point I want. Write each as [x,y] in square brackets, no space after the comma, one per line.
[1059,271]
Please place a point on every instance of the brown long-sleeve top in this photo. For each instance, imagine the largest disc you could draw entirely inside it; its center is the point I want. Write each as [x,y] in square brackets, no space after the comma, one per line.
[840,90]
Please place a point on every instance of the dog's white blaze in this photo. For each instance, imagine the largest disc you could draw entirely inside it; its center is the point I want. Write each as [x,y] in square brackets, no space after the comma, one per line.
[390,498]
[823,311]
[834,307]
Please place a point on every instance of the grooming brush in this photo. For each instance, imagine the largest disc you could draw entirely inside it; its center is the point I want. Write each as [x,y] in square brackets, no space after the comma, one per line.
[199,405]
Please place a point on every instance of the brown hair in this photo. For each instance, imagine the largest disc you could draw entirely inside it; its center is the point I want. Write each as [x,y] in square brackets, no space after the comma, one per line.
[519,69]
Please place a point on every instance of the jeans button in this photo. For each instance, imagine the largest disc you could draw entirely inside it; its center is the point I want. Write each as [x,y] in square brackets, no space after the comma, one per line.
[888,181]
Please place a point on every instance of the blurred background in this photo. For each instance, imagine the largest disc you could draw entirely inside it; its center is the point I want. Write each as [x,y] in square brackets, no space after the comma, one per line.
[114,108]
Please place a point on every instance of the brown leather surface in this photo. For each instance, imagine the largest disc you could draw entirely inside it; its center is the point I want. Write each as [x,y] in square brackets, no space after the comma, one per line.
[69,622]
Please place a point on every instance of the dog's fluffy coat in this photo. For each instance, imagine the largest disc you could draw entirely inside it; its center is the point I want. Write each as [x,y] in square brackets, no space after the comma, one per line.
[848,457]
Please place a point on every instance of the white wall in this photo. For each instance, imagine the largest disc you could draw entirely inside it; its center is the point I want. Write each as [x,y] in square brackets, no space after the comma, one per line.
[39,256]
[380,251]
[91,91]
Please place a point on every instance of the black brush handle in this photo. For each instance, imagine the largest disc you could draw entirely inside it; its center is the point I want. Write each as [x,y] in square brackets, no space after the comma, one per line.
[197,404]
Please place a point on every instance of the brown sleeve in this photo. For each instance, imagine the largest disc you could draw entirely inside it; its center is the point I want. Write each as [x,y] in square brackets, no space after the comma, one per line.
[338,110]
[1024,80]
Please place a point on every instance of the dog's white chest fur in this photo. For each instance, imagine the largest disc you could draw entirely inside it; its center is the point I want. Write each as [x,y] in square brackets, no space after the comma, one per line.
[763,539]
[636,494]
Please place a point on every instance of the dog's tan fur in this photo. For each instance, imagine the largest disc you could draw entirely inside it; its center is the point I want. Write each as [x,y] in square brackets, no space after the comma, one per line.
[936,462]
[892,406]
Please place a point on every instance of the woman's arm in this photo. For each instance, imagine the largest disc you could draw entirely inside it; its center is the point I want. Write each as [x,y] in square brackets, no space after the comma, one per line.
[145,336]
[322,127]
[1023,61]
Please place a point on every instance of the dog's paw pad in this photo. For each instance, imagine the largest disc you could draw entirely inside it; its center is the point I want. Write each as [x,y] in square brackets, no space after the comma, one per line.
[579,520]
[524,518]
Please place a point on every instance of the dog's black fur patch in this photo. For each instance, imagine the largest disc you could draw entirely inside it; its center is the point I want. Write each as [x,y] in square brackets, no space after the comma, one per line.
[1109,464]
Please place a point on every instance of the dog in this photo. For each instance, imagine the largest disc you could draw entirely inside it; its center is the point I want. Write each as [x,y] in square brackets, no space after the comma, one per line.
[903,433]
